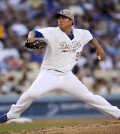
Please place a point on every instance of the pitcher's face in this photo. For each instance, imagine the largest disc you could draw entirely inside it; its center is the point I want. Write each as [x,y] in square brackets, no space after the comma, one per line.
[64,23]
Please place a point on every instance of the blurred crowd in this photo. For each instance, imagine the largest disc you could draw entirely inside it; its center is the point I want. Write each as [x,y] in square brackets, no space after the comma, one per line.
[19,66]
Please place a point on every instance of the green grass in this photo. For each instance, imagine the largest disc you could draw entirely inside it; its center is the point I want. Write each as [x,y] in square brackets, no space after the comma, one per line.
[42,124]
[30,126]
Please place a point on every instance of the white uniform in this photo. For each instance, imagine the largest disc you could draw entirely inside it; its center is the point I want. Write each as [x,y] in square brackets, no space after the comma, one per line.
[62,53]
[60,57]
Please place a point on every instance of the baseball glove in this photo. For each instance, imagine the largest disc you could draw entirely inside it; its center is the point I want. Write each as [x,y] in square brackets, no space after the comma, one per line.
[37,44]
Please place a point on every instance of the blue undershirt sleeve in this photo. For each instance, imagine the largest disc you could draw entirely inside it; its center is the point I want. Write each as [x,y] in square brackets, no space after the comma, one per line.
[37,34]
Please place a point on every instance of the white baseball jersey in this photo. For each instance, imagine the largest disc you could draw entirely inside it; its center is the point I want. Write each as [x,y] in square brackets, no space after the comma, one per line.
[61,52]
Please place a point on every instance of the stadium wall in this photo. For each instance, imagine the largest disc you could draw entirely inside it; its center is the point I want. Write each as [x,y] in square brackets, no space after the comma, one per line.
[57,107]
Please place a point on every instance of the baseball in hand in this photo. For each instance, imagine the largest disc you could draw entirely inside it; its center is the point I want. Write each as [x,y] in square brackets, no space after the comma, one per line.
[99,58]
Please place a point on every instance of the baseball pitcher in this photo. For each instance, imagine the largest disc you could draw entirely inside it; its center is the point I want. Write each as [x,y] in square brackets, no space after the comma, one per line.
[64,45]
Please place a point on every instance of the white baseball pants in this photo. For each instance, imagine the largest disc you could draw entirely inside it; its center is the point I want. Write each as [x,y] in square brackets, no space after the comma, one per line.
[49,80]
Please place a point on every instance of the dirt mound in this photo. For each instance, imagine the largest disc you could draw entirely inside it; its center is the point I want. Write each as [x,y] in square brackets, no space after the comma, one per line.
[83,127]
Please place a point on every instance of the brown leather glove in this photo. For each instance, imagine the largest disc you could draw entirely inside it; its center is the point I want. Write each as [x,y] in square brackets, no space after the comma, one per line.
[37,44]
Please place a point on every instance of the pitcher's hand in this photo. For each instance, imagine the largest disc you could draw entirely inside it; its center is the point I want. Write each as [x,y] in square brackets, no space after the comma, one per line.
[100,53]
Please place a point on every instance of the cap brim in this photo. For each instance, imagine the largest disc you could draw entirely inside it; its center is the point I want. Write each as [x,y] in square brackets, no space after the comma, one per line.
[58,15]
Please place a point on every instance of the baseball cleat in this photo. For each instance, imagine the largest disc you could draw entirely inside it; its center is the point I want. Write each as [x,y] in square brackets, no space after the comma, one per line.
[3,118]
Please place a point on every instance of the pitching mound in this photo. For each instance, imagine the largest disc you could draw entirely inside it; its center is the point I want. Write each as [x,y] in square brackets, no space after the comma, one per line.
[81,126]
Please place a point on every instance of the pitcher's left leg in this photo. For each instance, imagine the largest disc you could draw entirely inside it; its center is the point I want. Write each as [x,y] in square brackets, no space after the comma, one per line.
[74,87]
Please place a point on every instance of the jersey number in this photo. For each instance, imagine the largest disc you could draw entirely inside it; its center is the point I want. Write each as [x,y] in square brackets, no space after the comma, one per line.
[77,56]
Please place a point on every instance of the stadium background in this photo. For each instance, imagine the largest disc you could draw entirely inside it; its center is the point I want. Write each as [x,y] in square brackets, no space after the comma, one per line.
[20,66]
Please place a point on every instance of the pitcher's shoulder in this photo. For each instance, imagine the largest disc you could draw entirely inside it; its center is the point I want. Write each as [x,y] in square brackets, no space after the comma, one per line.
[81,31]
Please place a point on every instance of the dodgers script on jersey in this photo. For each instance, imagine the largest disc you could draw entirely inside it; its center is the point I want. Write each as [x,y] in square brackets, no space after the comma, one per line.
[61,52]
